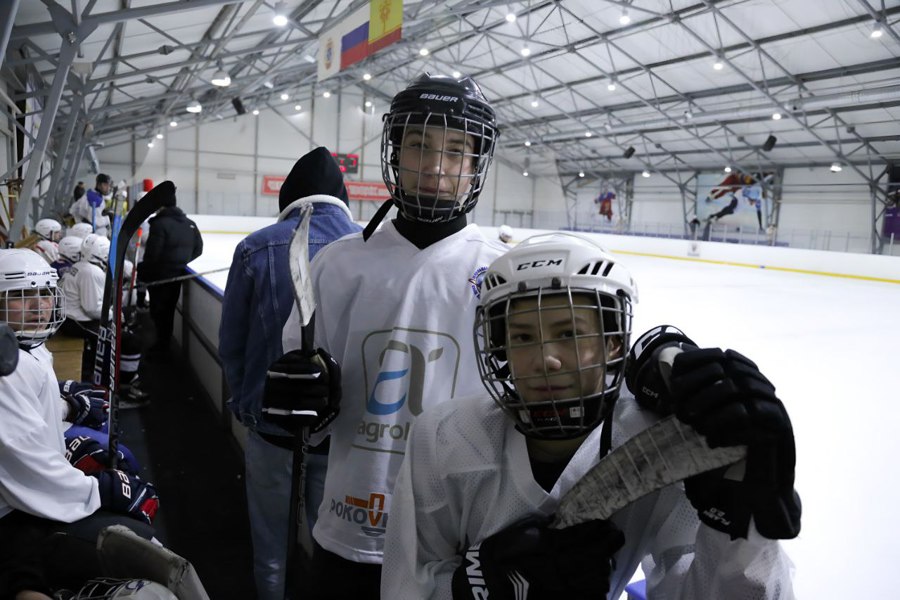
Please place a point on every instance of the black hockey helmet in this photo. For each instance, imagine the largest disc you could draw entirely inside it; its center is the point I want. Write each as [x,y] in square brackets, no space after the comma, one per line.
[451,104]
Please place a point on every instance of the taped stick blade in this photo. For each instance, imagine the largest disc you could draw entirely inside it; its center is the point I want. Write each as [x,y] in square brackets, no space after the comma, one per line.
[665,453]
[300,273]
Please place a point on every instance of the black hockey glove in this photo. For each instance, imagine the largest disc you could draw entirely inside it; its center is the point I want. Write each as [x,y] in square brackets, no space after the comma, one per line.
[128,495]
[87,405]
[647,374]
[530,560]
[302,390]
[725,397]
[90,456]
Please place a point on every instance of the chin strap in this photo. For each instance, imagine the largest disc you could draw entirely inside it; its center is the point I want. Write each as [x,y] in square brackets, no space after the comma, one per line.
[376,220]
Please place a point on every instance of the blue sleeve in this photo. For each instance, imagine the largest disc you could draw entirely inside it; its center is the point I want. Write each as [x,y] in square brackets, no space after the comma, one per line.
[235,324]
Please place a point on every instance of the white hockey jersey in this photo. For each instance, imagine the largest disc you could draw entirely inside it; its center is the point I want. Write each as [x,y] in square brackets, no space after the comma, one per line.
[47,250]
[399,320]
[35,476]
[467,476]
[82,286]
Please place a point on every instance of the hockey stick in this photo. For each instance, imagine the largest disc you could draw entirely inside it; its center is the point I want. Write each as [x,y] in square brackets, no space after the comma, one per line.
[306,304]
[665,453]
[108,349]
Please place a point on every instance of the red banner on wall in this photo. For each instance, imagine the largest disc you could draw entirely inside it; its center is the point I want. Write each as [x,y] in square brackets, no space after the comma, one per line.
[271,184]
[367,191]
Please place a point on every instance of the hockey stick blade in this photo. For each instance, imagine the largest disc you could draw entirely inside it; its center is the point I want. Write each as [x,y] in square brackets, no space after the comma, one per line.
[665,453]
[299,255]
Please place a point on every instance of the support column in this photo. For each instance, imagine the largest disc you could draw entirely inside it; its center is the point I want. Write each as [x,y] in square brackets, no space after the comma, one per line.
[63,151]
[8,10]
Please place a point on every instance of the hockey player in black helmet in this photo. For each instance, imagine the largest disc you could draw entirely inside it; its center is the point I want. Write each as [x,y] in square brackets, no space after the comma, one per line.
[436,146]
[400,336]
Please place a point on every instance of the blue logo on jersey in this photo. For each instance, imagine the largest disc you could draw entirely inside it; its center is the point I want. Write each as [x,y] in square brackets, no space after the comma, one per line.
[476,279]
[382,408]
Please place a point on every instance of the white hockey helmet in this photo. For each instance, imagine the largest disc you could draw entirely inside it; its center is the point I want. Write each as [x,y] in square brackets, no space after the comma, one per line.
[105,588]
[49,229]
[31,303]
[70,248]
[81,230]
[95,250]
[505,233]
[552,333]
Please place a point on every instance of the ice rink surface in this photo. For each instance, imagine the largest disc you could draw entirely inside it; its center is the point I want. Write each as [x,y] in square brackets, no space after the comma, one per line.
[830,345]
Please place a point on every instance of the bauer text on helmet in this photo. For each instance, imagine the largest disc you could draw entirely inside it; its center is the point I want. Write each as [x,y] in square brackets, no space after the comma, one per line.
[552,334]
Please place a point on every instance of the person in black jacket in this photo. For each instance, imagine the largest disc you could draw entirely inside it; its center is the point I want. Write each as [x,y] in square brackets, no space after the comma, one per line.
[174,241]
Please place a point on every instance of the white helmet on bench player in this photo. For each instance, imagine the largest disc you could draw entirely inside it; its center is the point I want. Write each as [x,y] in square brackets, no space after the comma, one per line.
[81,230]
[49,229]
[70,248]
[31,303]
[95,250]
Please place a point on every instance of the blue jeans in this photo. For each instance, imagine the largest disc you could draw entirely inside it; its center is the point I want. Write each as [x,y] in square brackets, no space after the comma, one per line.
[268,483]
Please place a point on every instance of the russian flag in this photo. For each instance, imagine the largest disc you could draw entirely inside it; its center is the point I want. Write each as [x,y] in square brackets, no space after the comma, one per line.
[355,45]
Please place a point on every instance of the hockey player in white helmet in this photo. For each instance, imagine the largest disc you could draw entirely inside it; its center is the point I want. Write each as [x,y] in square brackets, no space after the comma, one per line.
[49,517]
[69,254]
[48,232]
[505,234]
[481,480]
[400,337]
[49,229]
[83,289]
[80,230]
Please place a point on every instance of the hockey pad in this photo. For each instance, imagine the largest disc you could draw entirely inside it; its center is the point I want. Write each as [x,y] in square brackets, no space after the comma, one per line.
[87,406]
[529,560]
[724,396]
[646,372]
[123,553]
[302,390]
[90,456]
[128,495]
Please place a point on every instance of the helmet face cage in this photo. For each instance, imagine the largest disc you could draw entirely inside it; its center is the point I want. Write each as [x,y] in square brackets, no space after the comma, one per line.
[554,359]
[437,144]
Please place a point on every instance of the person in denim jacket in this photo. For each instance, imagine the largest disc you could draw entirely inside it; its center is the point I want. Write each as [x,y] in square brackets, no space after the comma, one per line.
[258,299]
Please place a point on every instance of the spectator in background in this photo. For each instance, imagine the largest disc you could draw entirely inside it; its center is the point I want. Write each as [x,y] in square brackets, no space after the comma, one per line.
[257,303]
[78,192]
[174,241]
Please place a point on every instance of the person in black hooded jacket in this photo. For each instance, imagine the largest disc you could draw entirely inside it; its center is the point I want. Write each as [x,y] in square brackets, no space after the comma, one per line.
[174,241]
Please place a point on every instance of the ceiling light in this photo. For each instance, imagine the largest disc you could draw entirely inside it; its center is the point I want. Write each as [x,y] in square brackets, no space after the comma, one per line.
[877,31]
[611,86]
[150,145]
[159,136]
[456,74]
[525,173]
[268,84]
[581,173]
[194,107]
[285,96]
[776,116]
[588,134]
[298,108]
[527,142]
[645,173]
[608,126]
[173,123]
[727,169]
[279,18]
[511,17]
[836,167]
[624,19]
[525,51]
[688,115]
[255,112]
[535,103]
[423,52]
[718,65]
[309,58]
[221,78]
[368,104]
[326,94]
[367,76]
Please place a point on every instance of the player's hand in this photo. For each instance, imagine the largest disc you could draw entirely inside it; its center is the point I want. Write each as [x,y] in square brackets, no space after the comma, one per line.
[90,456]
[725,397]
[575,562]
[128,495]
[87,406]
[648,368]
[302,390]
